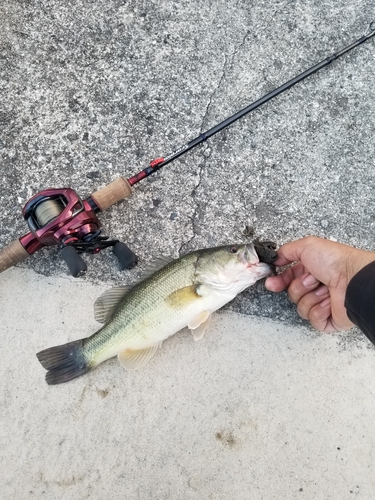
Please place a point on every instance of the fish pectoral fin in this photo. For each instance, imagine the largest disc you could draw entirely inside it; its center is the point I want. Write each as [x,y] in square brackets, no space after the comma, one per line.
[200,324]
[107,303]
[183,296]
[131,359]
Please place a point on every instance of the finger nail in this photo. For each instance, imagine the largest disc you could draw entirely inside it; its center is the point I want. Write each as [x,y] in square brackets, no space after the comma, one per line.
[322,290]
[310,281]
[325,302]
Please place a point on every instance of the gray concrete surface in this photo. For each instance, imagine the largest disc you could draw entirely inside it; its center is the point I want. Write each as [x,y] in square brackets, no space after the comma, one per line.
[94,90]
[264,407]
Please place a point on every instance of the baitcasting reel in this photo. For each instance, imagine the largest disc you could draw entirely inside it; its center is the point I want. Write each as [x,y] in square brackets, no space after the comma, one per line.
[60,217]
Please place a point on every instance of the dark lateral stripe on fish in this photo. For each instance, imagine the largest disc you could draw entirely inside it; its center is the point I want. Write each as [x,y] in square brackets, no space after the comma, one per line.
[64,362]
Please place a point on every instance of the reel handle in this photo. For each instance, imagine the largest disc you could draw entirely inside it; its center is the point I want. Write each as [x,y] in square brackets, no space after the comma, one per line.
[12,254]
[112,193]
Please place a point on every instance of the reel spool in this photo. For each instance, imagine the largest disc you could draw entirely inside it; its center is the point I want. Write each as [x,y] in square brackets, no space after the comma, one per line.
[47,211]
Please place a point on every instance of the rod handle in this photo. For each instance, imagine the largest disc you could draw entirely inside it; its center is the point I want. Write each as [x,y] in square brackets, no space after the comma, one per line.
[112,193]
[12,254]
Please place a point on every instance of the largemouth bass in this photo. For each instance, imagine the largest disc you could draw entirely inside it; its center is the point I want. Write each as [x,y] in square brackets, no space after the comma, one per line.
[177,293]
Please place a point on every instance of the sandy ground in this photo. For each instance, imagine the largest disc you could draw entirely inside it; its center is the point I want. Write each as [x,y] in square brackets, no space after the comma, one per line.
[255,410]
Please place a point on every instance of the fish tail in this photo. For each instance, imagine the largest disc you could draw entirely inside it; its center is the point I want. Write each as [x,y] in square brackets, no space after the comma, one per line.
[64,362]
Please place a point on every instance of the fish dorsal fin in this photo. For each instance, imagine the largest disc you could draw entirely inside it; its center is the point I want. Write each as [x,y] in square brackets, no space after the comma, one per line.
[106,304]
[199,325]
[156,265]
[132,359]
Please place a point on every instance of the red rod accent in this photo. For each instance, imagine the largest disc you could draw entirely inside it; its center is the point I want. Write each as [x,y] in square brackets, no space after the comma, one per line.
[137,177]
[155,162]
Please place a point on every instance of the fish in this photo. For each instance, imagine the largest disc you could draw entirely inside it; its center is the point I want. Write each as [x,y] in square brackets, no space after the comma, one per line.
[175,293]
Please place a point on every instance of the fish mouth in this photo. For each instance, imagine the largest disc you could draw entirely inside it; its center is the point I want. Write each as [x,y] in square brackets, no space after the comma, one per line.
[250,256]
[262,269]
[259,256]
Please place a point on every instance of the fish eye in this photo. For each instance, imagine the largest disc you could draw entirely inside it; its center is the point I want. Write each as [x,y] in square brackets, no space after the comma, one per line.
[233,249]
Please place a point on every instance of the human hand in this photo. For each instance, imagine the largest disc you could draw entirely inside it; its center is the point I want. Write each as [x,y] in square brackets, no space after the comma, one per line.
[318,278]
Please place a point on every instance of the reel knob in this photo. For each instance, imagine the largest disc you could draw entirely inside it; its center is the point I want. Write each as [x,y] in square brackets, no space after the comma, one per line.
[125,256]
[77,266]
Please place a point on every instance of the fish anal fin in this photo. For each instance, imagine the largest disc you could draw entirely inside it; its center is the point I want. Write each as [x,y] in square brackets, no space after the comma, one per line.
[107,303]
[131,359]
[200,324]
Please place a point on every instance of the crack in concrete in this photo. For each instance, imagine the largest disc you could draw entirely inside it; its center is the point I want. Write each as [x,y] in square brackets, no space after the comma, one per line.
[224,72]
[193,218]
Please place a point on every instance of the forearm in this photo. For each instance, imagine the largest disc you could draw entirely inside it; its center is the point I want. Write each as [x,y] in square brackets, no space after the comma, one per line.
[360,300]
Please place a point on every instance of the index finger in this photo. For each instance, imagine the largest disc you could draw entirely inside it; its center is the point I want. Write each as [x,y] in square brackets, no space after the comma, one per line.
[282,281]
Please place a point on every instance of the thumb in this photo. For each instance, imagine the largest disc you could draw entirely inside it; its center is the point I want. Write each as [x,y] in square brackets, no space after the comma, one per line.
[292,252]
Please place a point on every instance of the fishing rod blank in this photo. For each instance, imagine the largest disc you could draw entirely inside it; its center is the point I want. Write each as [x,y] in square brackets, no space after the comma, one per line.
[157,164]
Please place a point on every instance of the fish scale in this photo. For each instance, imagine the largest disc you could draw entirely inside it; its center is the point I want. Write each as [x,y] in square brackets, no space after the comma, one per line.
[146,302]
[184,292]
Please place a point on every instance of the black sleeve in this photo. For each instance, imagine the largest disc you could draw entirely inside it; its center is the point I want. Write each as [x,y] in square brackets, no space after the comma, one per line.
[360,300]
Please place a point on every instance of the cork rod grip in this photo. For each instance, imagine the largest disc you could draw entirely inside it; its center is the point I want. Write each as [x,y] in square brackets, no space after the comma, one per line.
[12,254]
[112,193]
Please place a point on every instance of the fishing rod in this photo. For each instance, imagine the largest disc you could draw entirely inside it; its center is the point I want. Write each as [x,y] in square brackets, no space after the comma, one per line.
[60,217]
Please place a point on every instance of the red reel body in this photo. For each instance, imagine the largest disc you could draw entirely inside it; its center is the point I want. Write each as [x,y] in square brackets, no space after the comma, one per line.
[74,223]
[60,217]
